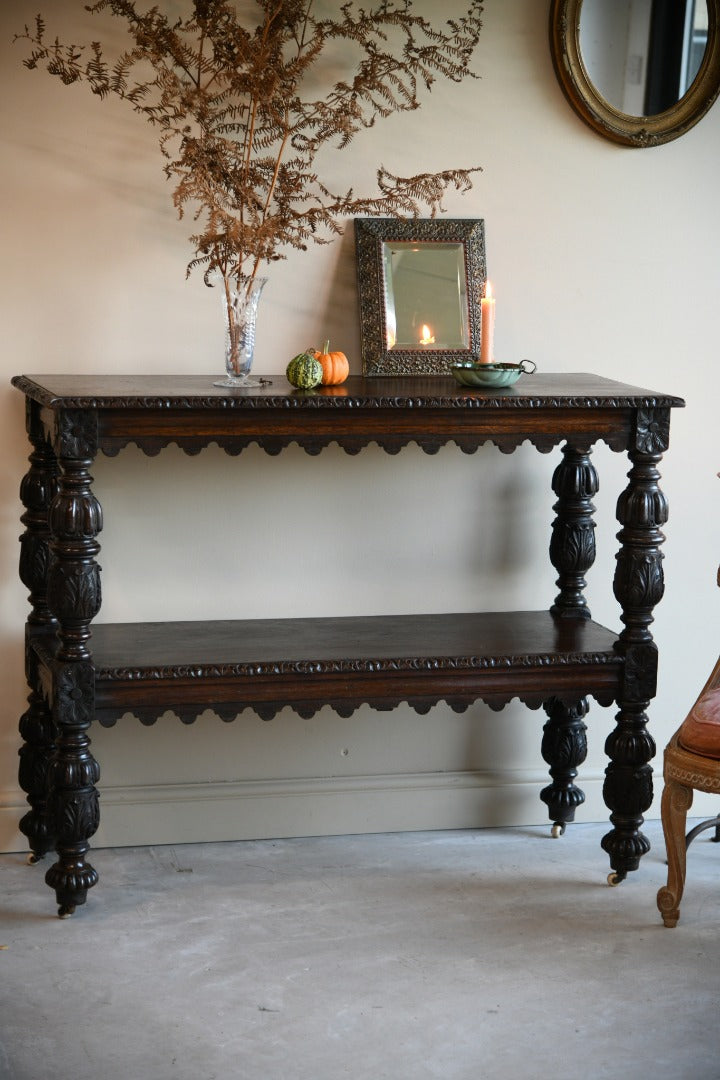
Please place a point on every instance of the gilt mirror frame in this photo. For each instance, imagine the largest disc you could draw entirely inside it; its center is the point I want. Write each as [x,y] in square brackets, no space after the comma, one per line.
[599,114]
[372,239]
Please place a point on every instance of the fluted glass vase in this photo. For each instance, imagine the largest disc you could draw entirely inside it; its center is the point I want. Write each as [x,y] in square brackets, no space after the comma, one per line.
[240,298]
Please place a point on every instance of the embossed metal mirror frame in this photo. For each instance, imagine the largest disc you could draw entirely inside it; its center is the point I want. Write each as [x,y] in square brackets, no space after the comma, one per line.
[599,114]
[371,236]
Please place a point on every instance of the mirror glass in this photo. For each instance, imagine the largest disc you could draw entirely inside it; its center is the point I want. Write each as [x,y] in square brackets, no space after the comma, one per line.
[639,72]
[420,281]
[643,55]
[425,295]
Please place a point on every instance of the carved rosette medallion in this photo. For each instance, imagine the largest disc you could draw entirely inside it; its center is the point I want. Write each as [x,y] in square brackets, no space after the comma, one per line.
[652,431]
[75,434]
[640,673]
[74,694]
[572,544]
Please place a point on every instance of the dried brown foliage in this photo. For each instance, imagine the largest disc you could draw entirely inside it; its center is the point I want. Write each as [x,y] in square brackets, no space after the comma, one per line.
[240,136]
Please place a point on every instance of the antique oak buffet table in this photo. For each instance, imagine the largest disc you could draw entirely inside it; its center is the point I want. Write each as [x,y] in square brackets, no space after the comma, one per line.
[555,659]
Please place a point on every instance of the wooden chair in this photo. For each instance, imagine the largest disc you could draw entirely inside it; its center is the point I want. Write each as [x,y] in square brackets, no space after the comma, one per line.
[692,763]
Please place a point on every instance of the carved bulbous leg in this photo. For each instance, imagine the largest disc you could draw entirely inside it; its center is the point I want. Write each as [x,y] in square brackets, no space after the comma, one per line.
[572,544]
[37,728]
[676,801]
[628,790]
[564,747]
[38,489]
[73,773]
[38,731]
[74,576]
[74,595]
[638,586]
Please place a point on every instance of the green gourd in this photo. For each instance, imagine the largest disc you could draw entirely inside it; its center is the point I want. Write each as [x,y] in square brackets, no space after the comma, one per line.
[304,371]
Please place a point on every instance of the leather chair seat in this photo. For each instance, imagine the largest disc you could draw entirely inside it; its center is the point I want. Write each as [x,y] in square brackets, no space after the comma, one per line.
[700,731]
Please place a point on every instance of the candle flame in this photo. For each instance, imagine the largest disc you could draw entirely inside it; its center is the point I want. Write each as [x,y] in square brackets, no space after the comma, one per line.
[427,337]
[488,291]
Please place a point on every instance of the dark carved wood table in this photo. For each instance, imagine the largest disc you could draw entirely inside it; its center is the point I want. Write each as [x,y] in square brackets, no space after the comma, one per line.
[555,659]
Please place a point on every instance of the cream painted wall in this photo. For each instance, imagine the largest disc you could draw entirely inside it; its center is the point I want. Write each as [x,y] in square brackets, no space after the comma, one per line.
[603,259]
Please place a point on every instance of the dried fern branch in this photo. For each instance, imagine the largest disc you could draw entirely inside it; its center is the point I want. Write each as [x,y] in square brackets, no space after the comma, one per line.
[239,135]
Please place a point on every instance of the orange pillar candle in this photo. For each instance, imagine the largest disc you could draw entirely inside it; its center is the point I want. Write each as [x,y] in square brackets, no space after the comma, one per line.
[487,326]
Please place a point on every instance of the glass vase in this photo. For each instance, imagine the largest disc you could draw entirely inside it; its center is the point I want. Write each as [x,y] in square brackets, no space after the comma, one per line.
[240,297]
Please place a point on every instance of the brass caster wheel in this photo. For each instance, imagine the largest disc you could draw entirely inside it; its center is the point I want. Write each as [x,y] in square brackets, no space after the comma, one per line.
[614,878]
[32,859]
[558,830]
[65,911]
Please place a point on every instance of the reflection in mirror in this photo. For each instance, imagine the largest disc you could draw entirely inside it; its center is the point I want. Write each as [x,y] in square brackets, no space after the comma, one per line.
[425,295]
[420,282]
[639,72]
[643,55]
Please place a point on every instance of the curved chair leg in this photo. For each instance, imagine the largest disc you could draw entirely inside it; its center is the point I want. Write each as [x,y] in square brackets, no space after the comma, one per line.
[676,801]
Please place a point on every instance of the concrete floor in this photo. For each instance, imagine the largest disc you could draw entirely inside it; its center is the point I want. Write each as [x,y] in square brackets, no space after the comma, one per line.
[493,954]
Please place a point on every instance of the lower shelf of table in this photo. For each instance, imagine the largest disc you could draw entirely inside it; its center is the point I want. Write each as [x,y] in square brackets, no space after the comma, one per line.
[265,664]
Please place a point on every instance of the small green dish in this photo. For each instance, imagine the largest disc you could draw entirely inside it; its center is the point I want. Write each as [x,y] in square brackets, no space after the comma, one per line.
[496,375]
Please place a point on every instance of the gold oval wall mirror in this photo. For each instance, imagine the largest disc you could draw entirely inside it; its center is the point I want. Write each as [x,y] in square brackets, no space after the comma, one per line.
[639,72]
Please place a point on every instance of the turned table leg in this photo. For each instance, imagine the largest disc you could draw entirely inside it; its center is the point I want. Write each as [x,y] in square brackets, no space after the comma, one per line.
[572,544]
[74,596]
[638,587]
[564,747]
[572,553]
[37,727]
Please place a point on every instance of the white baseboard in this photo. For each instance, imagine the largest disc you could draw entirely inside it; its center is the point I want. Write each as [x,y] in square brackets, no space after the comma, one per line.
[251,810]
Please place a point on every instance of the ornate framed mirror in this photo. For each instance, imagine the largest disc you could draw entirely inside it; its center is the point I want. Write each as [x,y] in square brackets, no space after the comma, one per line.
[639,72]
[420,281]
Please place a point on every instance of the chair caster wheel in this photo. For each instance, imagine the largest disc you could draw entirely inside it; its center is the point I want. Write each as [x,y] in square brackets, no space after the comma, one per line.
[65,911]
[557,830]
[32,859]
[615,877]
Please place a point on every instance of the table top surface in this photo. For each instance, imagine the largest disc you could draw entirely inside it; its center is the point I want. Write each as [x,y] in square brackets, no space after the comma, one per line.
[167,391]
[348,644]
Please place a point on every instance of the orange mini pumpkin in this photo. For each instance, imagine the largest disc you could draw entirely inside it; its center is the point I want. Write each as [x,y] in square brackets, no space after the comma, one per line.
[334,364]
